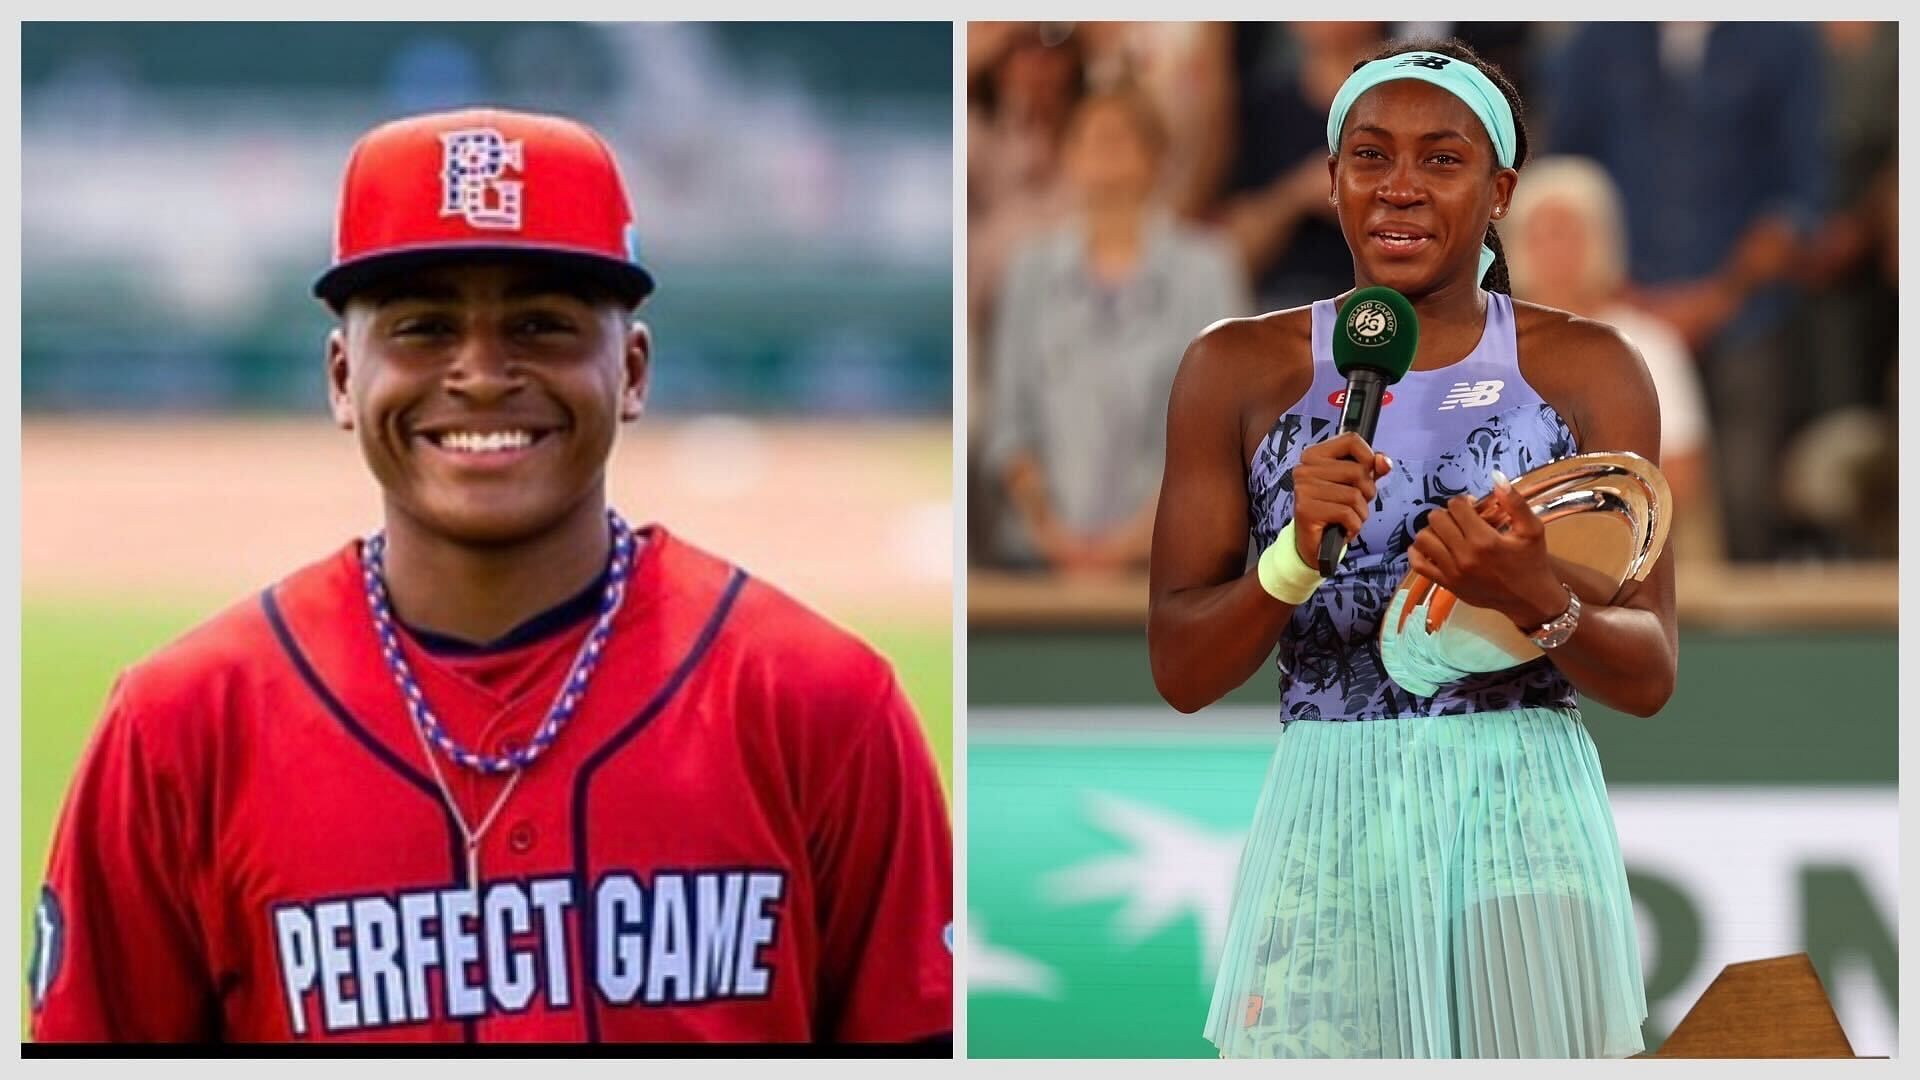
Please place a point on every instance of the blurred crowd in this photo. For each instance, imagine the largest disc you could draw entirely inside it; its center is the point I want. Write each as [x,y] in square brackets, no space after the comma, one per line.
[1723,193]
[798,210]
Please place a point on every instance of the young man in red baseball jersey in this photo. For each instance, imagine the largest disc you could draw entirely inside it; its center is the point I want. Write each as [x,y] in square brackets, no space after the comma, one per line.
[508,769]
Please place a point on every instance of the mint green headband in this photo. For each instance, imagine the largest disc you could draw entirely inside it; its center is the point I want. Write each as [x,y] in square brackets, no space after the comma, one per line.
[1456,77]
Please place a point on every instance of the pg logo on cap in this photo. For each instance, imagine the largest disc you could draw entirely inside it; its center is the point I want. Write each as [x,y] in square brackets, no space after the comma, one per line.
[474,165]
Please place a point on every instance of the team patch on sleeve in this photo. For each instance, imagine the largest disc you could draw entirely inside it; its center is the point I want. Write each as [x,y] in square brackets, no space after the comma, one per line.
[685,938]
[49,945]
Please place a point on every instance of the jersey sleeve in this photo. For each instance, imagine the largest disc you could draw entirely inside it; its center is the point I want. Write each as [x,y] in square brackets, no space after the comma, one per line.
[117,954]
[883,864]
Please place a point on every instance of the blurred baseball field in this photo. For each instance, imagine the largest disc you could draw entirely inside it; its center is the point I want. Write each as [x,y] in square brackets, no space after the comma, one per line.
[134,530]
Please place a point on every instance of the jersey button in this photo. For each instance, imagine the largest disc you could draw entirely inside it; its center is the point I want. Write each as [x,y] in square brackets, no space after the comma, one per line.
[522,837]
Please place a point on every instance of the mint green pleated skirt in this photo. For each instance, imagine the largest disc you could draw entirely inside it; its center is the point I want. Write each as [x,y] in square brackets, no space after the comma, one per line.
[1432,887]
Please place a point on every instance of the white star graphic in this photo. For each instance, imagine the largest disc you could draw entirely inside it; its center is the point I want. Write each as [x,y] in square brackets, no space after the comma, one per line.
[1174,866]
[991,969]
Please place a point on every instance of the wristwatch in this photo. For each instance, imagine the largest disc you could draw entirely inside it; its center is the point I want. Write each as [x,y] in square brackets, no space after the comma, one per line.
[1555,631]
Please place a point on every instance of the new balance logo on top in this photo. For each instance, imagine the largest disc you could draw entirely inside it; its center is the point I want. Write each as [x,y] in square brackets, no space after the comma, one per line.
[1473,394]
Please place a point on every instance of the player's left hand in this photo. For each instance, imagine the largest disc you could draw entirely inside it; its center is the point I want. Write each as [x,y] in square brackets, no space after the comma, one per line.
[1497,561]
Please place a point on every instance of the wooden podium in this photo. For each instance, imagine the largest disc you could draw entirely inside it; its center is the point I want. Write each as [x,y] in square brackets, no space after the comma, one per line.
[1773,1008]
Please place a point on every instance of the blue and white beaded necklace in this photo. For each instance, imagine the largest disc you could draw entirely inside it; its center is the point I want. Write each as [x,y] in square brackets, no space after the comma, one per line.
[426,724]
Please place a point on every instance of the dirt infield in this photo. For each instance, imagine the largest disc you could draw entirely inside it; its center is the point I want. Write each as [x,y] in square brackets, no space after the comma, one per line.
[855,519]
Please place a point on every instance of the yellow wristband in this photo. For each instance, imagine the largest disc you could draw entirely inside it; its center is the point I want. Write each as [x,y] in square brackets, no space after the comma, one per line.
[1285,576]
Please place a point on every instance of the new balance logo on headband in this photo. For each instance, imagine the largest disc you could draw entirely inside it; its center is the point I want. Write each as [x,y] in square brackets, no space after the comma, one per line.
[1472,395]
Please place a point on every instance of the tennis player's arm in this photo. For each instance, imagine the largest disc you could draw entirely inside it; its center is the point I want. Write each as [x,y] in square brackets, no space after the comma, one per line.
[1210,625]
[1625,655]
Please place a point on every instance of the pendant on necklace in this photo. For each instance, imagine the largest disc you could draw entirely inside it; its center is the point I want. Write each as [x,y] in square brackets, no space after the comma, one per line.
[473,834]
[426,726]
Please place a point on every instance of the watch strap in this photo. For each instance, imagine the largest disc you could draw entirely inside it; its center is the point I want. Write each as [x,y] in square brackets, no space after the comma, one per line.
[1555,631]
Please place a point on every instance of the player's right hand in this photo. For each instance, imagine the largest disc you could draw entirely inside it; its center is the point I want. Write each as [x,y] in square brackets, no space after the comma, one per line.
[1334,485]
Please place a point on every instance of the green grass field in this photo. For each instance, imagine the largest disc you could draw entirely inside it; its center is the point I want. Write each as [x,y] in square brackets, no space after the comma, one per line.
[70,652]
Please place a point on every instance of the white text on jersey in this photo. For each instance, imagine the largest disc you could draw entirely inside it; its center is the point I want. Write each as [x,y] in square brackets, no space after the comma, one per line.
[688,937]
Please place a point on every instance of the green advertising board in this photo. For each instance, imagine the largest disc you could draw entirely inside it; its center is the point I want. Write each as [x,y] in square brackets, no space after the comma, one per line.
[1757,815]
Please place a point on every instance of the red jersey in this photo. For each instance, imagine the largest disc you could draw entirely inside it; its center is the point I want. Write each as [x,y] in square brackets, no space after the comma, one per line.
[740,835]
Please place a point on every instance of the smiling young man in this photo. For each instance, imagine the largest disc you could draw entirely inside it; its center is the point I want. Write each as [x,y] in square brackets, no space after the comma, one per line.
[508,769]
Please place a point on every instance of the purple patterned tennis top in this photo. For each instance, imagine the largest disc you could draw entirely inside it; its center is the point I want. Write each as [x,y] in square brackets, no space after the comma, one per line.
[1446,430]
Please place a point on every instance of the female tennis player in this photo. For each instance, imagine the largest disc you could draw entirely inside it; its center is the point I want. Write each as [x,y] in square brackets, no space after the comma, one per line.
[1426,876]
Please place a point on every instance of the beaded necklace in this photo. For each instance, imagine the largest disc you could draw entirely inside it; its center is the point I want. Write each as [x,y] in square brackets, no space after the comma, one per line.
[426,724]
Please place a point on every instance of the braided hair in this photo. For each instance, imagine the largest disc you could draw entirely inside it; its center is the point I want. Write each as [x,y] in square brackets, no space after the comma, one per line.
[1496,279]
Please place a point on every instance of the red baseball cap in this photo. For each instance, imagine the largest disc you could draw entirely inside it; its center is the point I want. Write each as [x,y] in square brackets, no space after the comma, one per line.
[482,182]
